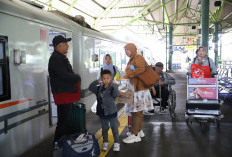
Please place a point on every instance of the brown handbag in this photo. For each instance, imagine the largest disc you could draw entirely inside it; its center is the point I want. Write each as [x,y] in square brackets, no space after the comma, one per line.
[149,76]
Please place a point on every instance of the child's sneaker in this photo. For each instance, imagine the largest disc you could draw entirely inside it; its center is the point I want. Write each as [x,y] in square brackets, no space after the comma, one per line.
[116,147]
[132,139]
[56,146]
[141,134]
[105,146]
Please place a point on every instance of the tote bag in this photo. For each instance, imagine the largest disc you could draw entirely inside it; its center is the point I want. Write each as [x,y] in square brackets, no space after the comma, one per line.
[198,71]
[149,76]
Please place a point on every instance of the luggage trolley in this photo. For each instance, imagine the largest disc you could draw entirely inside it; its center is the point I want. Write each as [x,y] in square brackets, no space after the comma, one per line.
[202,104]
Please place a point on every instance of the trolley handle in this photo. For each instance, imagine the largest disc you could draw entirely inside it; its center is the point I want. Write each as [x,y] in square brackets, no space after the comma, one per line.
[214,74]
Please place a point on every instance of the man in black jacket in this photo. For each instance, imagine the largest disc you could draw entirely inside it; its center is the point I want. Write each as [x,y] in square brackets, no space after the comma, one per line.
[63,84]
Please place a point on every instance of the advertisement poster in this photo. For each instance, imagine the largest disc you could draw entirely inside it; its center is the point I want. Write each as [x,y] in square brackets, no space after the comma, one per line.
[202,81]
[202,93]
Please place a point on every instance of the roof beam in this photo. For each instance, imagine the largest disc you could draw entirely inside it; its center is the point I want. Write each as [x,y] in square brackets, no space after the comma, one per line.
[98,4]
[220,11]
[165,11]
[178,11]
[50,3]
[71,6]
[184,34]
[130,25]
[229,2]
[158,22]
[180,18]
[133,7]
[155,25]
[121,17]
[212,17]
[107,11]
[153,22]
[227,16]
[135,18]
[158,8]
[62,10]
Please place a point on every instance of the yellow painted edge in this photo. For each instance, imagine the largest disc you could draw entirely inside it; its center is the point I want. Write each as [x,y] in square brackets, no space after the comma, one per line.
[123,123]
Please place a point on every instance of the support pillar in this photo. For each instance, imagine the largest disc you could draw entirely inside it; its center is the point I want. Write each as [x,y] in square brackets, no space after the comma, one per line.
[166,48]
[205,23]
[198,43]
[216,43]
[170,47]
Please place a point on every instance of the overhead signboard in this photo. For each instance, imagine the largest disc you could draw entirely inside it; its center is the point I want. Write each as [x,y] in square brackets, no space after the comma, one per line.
[193,47]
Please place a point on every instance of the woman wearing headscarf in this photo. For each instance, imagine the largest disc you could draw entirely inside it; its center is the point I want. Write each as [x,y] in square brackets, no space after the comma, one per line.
[108,65]
[142,97]
[203,59]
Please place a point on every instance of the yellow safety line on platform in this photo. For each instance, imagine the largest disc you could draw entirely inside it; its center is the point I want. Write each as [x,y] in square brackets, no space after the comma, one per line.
[123,122]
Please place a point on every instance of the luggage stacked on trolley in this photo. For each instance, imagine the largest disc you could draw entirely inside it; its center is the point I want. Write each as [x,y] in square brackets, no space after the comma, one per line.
[203,104]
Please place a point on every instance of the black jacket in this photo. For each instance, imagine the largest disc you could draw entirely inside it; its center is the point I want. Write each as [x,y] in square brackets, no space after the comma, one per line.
[61,75]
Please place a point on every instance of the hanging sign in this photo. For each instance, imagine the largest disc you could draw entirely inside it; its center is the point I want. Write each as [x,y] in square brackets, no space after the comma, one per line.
[193,47]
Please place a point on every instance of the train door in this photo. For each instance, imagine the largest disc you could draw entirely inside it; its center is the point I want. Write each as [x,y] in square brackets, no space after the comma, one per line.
[4,70]
[52,107]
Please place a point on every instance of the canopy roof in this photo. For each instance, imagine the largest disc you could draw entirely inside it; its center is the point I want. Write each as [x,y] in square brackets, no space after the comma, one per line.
[148,17]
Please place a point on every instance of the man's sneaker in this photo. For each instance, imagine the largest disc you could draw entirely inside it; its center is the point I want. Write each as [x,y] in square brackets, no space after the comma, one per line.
[56,146]
[128,133]
[141,134]
[116,147]
[131,139]
[105,146]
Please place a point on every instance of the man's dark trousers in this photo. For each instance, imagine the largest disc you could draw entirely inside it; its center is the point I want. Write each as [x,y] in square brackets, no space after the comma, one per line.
[164,96]
[64,112]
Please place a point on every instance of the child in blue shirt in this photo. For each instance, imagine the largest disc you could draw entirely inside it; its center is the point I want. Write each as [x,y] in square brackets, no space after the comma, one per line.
[106,93]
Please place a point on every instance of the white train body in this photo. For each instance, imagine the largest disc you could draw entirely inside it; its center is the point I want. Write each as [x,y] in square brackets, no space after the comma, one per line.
[26,33]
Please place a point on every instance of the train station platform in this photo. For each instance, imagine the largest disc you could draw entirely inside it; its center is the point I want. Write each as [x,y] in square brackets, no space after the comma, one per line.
[164,137]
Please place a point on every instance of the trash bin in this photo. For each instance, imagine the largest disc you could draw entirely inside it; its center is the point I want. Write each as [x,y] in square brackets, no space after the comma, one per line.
[78,123]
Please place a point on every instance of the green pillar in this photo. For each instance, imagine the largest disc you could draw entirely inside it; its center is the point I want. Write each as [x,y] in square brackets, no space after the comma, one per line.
[205,23]
[198,42]
[216,43]
[170,47]
[166,48]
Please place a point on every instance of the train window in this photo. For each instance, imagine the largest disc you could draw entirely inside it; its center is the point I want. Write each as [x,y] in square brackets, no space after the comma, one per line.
[124,60]
[1,50]
[113,57]
[4,70]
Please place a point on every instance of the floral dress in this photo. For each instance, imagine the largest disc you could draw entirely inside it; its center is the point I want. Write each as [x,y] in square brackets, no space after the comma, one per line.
[142,101]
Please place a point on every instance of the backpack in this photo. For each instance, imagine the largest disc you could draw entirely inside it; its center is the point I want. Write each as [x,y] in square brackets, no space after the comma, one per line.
[85,146]
[113,68]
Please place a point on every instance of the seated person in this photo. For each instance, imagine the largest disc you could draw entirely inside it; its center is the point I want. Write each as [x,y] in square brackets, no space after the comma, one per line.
[203,59]
[165,79]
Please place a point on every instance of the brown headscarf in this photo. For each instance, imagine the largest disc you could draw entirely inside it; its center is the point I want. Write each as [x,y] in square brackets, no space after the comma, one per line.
[132,48]
[139,63]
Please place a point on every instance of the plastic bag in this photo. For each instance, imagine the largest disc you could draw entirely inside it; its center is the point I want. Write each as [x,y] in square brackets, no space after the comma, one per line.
[117,76]
[94,107]
[198,71]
